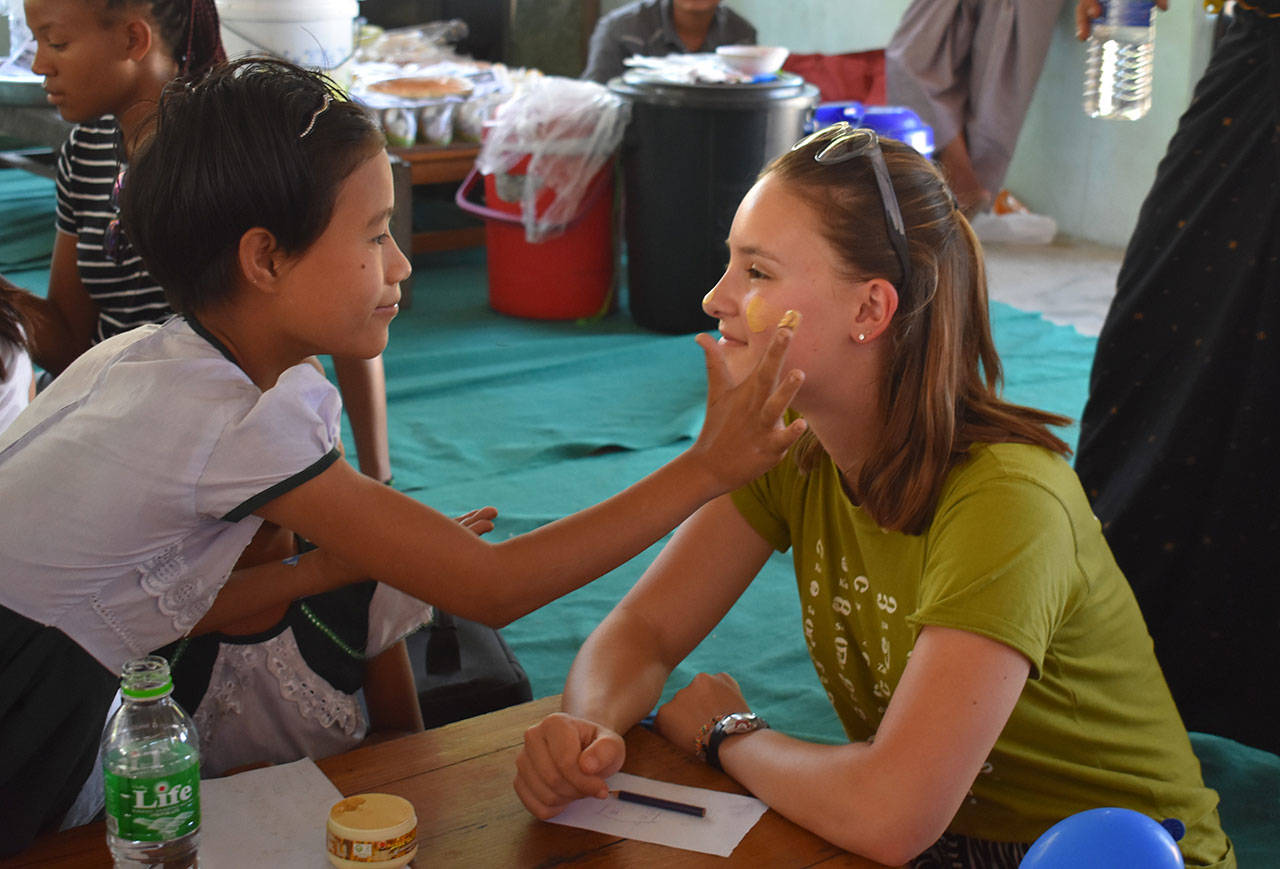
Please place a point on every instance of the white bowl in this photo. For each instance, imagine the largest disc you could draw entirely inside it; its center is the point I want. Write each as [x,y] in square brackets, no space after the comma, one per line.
[753,59]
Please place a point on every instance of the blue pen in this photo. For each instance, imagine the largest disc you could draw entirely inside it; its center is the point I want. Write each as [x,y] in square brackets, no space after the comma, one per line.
[660,803]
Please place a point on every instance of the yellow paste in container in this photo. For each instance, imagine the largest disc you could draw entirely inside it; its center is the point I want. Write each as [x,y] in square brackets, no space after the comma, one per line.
[371,831]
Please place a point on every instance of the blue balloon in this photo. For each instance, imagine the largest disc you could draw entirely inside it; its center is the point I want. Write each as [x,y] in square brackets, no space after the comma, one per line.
[1109,838]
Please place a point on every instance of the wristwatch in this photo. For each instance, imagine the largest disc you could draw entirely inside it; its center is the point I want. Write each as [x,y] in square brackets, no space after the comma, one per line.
[731,725]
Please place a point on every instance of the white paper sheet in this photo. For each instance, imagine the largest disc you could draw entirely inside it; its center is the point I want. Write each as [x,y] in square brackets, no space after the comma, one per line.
[729,816]
[274,816]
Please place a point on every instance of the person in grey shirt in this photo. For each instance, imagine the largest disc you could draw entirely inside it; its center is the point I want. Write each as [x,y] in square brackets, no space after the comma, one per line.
[654,28]
[969,68]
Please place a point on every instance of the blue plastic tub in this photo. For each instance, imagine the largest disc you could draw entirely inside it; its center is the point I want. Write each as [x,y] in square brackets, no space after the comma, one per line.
[901,123]
[826,114]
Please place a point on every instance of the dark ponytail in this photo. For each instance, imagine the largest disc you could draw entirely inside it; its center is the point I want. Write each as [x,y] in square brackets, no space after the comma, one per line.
[204,40]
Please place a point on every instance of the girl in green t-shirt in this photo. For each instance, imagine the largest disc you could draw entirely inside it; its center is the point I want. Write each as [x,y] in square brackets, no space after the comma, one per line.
[961,607]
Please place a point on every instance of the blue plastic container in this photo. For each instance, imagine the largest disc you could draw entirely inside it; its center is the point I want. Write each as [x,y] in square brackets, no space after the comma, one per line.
[901,123]
[826,114]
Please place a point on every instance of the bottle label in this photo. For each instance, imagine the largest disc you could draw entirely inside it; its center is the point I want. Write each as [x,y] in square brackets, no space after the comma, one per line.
[1125,13]
[155,809]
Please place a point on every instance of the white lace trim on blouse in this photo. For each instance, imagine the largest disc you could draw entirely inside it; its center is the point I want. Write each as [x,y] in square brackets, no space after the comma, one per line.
[180,594]
[298,692]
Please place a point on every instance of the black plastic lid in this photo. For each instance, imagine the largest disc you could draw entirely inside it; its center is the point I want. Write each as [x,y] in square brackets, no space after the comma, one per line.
[645,87]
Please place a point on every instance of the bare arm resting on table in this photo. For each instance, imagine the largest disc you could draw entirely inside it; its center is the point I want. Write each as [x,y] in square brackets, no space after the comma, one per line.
[886,800]
[890,799]
[619,672]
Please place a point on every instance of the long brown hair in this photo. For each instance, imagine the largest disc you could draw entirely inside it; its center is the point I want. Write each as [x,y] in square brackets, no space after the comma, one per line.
[941,391]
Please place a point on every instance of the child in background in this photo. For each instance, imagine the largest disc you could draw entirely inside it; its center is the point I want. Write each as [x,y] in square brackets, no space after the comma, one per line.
[137,479]
[104,64]
[16,383]
[960,605]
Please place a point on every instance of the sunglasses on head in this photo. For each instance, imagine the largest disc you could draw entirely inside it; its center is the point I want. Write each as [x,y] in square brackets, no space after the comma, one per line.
[842,141]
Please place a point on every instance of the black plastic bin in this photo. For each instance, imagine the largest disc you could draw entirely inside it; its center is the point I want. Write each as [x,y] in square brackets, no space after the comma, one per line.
[690,153]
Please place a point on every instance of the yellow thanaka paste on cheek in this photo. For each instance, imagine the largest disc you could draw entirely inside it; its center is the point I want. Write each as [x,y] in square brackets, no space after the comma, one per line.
[760,314]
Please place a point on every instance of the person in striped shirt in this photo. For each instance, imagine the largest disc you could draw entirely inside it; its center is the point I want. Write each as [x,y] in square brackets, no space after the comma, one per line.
[106,63]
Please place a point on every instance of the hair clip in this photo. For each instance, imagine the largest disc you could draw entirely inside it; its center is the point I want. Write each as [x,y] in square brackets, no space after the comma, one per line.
[318,112]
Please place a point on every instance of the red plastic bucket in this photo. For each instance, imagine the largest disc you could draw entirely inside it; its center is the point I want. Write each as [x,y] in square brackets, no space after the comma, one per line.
[561,278]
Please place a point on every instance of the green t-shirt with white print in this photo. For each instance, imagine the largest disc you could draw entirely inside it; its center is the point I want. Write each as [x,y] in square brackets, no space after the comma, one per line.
[1013,553]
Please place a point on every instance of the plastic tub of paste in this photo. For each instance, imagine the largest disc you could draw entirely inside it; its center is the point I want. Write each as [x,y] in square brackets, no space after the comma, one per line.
[371,831]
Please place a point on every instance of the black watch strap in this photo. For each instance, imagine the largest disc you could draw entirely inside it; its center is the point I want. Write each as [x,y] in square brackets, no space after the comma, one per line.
[731,725]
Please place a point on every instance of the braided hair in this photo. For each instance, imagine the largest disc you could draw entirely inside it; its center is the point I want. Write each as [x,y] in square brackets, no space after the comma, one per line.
[191,29]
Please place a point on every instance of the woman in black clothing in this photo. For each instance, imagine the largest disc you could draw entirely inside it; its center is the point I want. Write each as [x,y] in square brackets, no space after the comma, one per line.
[1178,446]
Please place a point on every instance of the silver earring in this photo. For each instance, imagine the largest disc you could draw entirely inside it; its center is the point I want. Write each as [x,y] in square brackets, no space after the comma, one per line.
[861,337]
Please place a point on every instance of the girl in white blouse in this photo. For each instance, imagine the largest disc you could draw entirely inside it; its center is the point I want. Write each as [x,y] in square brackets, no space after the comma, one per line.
[135,482]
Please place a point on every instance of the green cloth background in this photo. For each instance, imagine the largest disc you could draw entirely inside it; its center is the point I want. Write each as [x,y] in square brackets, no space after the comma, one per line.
[26,220]
[543,418]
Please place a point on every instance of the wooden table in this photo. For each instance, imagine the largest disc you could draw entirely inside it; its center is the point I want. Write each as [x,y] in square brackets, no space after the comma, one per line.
[459,779]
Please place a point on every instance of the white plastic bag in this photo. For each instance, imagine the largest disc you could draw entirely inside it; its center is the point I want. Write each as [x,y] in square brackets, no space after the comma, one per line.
[568,130]
[22,45]
[1015,228]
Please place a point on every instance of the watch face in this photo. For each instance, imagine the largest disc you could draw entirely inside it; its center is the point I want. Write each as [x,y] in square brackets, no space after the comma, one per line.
[741,722]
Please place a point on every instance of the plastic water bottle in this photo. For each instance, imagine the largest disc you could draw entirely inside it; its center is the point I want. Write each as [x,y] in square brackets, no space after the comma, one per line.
[1118,58]
[151,762]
